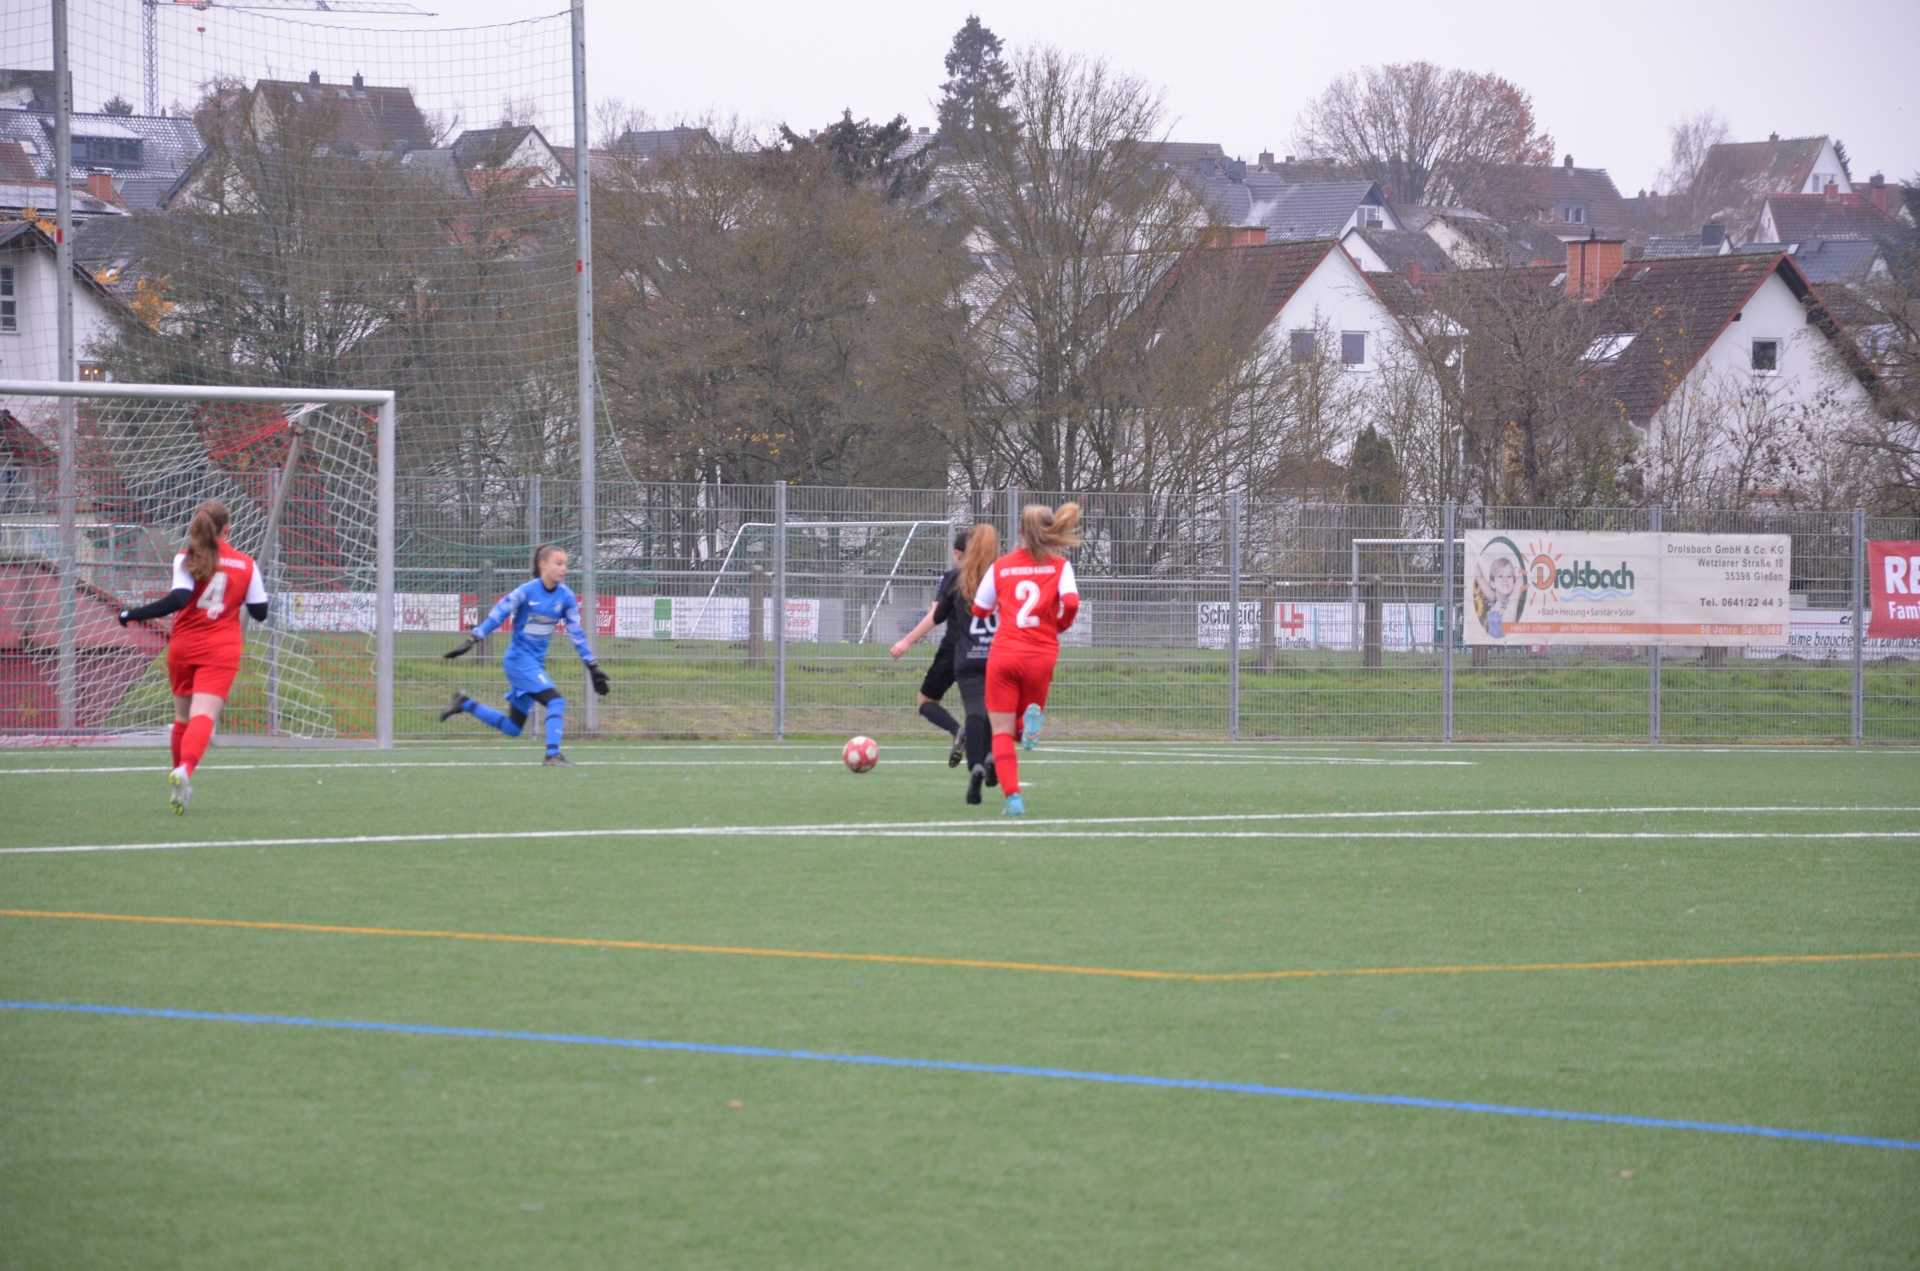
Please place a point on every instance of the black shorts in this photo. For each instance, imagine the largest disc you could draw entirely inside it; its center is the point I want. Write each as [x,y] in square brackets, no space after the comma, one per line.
[939,676]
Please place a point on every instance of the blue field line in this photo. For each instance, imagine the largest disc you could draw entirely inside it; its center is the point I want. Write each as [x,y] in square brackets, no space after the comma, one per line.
[955,1065]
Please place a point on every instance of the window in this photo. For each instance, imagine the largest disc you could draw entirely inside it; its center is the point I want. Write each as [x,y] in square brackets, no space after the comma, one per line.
[1574,213]
[1353,347]
[1766,356]
[106,152]
[1608,348]
[1302,346]
[1369,215]
[9,302]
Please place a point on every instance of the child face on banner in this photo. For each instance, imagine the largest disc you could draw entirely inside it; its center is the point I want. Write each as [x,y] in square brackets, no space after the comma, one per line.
[1503,576]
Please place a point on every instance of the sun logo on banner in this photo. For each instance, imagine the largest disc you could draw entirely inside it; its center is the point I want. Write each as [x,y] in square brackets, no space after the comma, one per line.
[1542,565]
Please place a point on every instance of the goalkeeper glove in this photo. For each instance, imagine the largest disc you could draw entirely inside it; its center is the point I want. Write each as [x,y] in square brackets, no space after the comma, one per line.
[125,616]
[599,678]
[462,647]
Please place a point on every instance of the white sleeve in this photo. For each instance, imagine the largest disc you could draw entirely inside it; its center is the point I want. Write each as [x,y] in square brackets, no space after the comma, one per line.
[986,595]
[256,590]
[1069,585]
[182,580]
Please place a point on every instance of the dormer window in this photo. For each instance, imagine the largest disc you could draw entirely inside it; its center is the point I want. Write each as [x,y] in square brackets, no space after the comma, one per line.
[1573,213]
[1608,348]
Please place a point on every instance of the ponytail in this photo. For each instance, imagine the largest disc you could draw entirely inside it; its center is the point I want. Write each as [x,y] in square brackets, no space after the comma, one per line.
[1046,532]
[209,522]
[983,548]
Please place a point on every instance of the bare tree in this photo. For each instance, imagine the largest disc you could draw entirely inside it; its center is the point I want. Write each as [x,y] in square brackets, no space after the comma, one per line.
[1074,223]
[763,317]
[1430,133]
[1689,139]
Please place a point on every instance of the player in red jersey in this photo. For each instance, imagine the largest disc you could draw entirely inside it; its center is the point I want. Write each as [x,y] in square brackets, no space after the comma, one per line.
[1036,596]
[211,581]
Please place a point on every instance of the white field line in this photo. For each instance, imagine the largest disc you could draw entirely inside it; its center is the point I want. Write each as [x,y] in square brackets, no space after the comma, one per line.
[1065,827]
[1041,758]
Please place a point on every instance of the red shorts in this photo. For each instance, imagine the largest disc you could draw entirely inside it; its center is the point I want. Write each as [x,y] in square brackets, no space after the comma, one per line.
[1015,683]
[189,674]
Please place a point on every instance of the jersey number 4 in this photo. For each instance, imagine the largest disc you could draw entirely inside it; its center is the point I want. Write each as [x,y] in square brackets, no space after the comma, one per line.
[1027,592]
[214,598]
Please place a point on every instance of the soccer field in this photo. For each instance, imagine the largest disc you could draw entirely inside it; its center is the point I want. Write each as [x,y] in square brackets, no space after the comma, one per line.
[730,1006]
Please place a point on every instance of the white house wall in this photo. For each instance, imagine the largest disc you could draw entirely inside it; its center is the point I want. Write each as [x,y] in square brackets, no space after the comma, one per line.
[32,352]
[1338,296]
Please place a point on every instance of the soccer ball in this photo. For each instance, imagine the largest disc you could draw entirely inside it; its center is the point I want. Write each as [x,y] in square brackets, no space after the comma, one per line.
[861,754]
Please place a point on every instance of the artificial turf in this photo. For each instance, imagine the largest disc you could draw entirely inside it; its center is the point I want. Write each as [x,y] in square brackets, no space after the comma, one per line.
[170,1142]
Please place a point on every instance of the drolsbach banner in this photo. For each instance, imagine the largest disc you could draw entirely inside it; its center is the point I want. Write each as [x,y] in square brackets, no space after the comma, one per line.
[1668,589]
[1893,574]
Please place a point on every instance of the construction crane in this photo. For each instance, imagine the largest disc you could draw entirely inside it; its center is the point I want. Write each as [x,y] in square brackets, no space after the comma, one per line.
[150,23]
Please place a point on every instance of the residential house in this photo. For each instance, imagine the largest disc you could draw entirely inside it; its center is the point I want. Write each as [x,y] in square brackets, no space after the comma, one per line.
[1706,350]
[29,325]
[656,145]
[1798,218]
[1292,213]
[356,116]
[137,157]
[1738,177]
[1395,251]
[516,153]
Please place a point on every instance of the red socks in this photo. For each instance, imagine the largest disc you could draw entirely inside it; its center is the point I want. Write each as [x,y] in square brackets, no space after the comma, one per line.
[1005,765]
[179,735]
[193,744]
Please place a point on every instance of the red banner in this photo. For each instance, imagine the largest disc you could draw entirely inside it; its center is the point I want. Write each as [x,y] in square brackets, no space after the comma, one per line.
[1893,575]
[606,613]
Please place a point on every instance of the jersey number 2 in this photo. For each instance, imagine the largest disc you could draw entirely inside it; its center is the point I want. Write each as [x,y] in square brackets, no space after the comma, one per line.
[1027,592]
[214,598]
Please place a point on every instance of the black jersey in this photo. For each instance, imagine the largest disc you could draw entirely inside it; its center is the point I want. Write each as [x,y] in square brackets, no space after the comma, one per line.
[973,639]
[943,610]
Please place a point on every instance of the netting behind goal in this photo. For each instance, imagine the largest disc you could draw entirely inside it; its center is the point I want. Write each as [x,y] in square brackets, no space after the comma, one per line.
[301,483]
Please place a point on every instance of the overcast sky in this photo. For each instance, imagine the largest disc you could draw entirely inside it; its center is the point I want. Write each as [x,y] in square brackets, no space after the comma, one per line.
[1605,83]
[1606,80]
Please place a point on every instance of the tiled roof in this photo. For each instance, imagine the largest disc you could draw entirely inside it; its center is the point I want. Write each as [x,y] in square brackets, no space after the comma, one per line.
[664,143]
[1831,260]
[14,164]
[1799,217]
[1780,167]
[168,146]
[1186,154]
[490,147]
[367,116]
[1674,246]
[1402,247]
[1677,309]
[1292,212]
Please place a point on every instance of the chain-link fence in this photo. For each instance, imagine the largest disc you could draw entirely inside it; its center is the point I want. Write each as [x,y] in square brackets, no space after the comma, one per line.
[770,610]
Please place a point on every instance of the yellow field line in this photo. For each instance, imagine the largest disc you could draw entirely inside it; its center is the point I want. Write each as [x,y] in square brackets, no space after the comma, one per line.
[974,963]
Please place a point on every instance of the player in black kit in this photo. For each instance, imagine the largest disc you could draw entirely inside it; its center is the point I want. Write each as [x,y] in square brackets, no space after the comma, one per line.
[939,676]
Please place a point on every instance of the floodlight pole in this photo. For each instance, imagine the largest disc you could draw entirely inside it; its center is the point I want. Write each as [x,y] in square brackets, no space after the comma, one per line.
[1446,629]
[1233,616]
[779,610]
[1653,659]
[583,321]
[65,675]
[1859,625]
[383,582]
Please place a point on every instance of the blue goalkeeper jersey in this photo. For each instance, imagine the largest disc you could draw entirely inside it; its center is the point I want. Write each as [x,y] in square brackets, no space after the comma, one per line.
[534,612]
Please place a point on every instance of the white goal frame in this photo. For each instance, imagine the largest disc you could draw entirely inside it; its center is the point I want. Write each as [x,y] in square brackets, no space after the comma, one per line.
[381,399]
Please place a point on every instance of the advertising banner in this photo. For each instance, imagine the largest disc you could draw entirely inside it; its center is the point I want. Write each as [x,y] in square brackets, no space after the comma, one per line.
[1893,577]
[1530,588]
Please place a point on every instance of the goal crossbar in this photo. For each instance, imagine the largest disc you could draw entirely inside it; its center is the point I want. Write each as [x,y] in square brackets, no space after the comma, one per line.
[381,400]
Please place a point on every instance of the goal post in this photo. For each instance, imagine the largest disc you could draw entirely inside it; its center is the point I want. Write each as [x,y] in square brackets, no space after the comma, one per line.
[97,483]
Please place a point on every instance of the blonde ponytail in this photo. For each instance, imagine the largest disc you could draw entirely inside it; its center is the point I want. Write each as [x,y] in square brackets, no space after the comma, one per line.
[209,522]
[983,548]
[1046,531]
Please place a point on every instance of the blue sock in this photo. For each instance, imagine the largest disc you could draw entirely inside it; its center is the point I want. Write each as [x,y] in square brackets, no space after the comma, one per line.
[492,718]
[556,717]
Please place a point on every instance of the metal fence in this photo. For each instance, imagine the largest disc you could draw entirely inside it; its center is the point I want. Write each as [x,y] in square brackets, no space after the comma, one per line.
[769,611]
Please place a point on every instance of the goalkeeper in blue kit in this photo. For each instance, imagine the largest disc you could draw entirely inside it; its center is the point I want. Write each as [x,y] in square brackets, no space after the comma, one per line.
[533,609]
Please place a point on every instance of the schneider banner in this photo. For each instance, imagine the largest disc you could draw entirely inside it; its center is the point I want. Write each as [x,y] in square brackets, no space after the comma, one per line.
[1688,589]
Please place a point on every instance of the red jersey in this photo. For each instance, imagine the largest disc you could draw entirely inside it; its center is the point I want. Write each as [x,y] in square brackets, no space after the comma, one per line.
[209,627]
[1036,603]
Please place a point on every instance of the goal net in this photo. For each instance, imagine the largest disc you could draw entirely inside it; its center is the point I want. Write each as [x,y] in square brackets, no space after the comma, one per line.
[97,484]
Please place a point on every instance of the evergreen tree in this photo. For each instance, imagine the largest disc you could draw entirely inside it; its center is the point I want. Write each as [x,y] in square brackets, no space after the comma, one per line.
[977,79]
[117,105]
[863,153]
[1373,475]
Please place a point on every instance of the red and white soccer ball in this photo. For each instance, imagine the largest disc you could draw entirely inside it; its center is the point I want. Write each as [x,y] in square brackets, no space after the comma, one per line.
[861,753]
